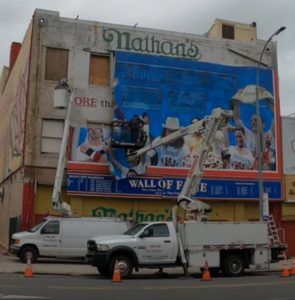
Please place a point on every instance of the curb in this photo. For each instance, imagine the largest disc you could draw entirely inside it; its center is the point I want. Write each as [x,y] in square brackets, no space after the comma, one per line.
[54,273]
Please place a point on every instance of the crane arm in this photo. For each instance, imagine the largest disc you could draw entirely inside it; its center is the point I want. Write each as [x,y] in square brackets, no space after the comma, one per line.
[191,185]
[58,204]
[198,126]
[207,127]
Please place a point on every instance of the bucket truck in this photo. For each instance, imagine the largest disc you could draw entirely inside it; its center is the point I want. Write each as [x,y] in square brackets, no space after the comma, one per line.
[207,127]
[51,237]
[229,247]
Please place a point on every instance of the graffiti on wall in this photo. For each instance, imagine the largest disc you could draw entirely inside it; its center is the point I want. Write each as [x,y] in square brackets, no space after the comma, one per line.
[135,215]
[12,112]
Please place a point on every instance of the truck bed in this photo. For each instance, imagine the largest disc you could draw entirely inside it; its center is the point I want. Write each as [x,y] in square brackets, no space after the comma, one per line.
[197,235]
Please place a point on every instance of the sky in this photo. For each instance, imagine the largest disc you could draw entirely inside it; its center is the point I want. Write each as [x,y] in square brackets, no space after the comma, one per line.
[188,16]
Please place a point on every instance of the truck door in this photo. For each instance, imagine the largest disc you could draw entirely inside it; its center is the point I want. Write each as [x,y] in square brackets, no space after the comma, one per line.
[50,240]
[156,245]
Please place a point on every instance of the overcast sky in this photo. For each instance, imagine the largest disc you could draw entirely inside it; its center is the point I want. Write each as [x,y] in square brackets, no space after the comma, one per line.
[189,16]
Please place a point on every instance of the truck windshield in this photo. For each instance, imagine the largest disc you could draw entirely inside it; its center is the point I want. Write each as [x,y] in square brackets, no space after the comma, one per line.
[133,230]
[36,227]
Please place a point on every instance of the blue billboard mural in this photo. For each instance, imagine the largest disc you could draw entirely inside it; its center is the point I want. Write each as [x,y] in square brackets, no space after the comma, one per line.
[158,95]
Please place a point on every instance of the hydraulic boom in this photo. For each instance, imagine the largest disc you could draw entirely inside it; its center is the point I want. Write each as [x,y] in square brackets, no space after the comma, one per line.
[207,127]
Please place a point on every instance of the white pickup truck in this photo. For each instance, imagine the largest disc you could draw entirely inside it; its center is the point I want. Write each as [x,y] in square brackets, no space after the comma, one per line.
[229,247]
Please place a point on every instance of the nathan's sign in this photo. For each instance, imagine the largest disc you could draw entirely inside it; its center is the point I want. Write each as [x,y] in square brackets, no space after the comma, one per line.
[123,40]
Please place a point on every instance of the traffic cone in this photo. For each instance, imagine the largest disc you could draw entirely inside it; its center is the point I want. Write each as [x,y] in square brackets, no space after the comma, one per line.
[206,274]
[285,272]
[292,271]
[28,271]
[116,274]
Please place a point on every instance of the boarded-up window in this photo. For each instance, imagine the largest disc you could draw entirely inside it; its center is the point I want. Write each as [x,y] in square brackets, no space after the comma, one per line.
[51,136]
[228,32]
[56,64]
[99,73]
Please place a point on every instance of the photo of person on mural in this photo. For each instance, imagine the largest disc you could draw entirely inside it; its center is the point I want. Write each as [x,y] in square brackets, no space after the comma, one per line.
[268,145]
[238,157]
[173,154]
[134,166]
[94,148]
[269,154]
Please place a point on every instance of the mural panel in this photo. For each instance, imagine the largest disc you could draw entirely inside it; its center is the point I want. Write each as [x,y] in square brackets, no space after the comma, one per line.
[157,95]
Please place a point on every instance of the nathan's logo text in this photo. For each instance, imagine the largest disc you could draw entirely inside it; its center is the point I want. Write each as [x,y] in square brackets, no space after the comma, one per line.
[135,215]
[149,44]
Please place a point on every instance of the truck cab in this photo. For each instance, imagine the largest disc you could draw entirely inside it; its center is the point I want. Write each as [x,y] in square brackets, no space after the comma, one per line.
[149,245]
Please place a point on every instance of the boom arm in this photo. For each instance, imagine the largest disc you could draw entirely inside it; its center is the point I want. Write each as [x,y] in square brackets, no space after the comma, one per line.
[191,185]
[207,127]
[196,127]
[58,204]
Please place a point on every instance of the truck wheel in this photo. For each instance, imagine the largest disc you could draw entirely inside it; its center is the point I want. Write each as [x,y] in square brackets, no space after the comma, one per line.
[103,272]
[125,266]
[214,271]
[28,249]
[234,265]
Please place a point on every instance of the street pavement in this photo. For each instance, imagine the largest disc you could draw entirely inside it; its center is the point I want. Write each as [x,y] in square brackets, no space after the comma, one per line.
[11,264]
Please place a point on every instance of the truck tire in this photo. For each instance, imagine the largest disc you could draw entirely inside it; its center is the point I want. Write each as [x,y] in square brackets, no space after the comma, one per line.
[214,271]
[233,266]
[28,249]
[125,266]
[103,272]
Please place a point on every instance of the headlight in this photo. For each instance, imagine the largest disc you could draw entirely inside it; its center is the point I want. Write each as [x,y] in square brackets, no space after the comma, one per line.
[102,247]
[16,242]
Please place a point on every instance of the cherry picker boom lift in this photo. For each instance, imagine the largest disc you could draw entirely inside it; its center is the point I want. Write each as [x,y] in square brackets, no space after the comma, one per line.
[62,93]
[207,127]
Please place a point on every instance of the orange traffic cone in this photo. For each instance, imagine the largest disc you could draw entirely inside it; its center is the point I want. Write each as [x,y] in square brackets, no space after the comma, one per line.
[28,271]
[285,272]
[206,274]
[292,271]
[116,274]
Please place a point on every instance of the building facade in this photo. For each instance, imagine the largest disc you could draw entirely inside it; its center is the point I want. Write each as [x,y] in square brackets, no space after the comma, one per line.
[132,85]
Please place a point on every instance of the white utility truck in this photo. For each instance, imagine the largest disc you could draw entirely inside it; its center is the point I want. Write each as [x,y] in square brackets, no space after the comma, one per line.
[230,247]
[63,237]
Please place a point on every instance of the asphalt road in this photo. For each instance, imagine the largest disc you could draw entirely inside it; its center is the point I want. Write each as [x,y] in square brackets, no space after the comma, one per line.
[262,286]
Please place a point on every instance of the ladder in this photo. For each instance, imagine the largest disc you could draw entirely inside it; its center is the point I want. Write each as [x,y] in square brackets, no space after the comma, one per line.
[273,231]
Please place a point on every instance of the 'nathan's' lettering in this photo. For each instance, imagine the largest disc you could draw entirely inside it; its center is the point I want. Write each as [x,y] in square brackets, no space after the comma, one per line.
[149,44]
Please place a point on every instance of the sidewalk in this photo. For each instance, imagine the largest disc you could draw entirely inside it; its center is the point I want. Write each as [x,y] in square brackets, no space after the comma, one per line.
[11,264]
